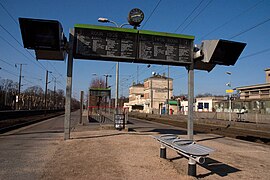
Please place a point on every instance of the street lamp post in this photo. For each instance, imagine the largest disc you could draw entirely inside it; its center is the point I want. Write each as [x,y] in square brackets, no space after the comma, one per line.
[106,86]
[230,96]
[106,79]
[168,93]
[106,20]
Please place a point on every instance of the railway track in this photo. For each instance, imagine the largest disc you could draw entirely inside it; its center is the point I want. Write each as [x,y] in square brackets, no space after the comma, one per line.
[15,123]
[239,130]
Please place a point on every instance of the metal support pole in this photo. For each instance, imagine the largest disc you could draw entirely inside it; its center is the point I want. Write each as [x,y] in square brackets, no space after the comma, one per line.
[230,107]
[190,100]
[81,107]
[88,103]
[69,87]
[168,93]
[54,94]
[19,88]
[46,89]
[20,82]
[192,167]
[137,74]
[117,88]
[163,152]
[151,85]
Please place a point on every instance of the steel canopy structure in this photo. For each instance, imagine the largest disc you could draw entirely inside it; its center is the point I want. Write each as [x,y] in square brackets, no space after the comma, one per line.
[126,45]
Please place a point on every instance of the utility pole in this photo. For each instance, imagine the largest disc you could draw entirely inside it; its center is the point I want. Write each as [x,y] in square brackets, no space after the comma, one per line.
[54,91]
[168,93]
[137,74]
[19,88]
[106,86]
[81,107]
[46,88]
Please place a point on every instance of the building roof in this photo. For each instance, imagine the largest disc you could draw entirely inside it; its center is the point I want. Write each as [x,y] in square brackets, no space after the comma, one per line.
[214,98]
[137,85]
[158,76]
[257,86]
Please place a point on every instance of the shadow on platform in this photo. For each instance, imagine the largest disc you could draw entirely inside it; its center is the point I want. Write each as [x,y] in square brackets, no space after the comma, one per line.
[34,132]
[217,167]
[169,131]
[211,138]
[107,135]
[92,120]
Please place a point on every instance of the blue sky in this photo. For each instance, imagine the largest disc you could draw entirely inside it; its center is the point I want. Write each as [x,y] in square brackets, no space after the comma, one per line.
[247,20]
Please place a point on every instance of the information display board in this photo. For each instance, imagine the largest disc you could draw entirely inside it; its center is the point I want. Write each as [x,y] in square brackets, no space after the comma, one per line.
[100,92]
[165,48]
[101,42]
[131,45]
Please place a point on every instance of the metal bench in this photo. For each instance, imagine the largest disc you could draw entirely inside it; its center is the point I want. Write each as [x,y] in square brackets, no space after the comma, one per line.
[189,149]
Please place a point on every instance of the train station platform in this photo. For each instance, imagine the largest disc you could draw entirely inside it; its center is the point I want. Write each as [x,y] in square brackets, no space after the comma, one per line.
[96,153]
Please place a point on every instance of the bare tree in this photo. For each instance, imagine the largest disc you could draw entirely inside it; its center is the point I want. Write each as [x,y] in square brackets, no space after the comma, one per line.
[97,83]
[8,90]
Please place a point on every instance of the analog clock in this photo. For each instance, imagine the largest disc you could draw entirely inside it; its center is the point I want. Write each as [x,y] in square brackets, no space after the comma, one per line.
[135,17]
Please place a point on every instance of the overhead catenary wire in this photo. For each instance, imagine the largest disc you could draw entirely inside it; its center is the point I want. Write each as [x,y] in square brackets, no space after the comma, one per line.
[205,7]
[151,13]
[256,53]
[8,13]
[16,75]
[189,16]
[231,19]
[41,66]
[12,65]
[250,28]
[12,73]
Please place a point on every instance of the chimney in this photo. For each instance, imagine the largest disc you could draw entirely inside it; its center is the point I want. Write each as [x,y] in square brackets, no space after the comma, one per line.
[267,75]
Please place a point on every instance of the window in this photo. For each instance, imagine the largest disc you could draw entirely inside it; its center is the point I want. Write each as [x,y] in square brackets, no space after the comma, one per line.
[200,105]
[206,105]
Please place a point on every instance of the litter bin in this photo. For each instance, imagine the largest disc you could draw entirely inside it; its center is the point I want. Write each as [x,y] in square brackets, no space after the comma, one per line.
[119,121]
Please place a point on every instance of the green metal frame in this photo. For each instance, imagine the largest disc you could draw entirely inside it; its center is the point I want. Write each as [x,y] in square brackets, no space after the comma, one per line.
[144,32]
[154,33]
[105,28]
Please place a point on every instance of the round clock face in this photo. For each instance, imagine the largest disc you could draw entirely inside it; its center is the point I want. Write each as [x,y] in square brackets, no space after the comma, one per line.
[135,17]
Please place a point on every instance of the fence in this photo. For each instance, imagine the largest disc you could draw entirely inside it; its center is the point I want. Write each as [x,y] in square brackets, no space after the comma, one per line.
[105,114]
[249,117]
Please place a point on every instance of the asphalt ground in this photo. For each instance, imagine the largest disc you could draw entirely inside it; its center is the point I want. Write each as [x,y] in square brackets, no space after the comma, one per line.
[39,152]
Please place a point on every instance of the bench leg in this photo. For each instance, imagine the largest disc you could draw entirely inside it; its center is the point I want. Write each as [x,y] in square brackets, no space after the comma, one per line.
[163,152]
[192,167]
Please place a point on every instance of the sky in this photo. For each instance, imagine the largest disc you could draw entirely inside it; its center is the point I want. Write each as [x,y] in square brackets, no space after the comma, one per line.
[237,20]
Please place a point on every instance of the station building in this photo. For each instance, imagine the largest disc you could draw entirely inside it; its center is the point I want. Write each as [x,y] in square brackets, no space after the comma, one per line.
[256,98]
[152,95]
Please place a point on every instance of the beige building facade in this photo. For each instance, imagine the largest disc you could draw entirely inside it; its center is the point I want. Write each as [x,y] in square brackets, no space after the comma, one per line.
[136,97]
[255,98]
[258,91]
[151,97]
[267,75]
[156,92]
